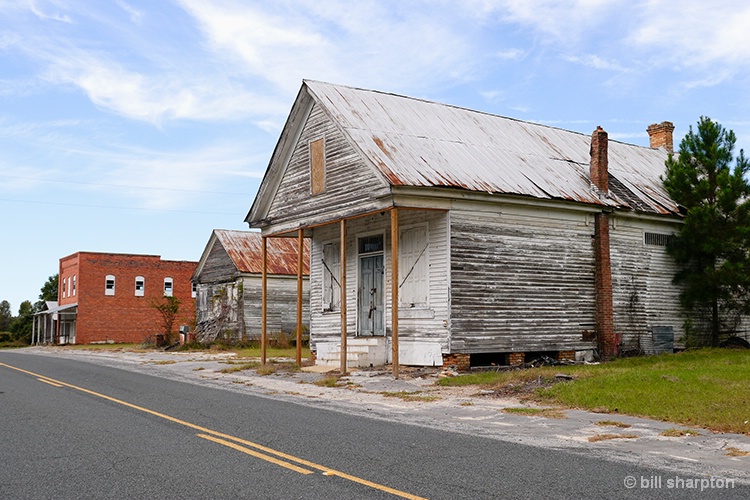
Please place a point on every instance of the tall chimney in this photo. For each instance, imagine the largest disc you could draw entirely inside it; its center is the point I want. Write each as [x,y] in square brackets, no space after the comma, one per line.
[660,135]
[599,160]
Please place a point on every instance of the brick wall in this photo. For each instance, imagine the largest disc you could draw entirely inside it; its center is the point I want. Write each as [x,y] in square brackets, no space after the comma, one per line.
[124,316]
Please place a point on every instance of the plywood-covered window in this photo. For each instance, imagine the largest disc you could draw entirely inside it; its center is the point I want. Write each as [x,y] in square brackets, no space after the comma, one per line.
[318,166]
[413,265]
[331,277]
[109,284]
[140,286]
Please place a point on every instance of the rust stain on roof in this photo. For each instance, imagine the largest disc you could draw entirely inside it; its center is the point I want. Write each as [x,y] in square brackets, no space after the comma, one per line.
[413,142]
[245,248]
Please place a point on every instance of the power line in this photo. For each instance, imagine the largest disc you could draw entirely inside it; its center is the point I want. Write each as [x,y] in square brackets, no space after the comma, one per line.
[125,186]
[117,208]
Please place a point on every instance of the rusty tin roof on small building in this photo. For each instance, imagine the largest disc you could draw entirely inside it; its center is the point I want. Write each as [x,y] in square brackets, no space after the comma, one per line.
[245,248]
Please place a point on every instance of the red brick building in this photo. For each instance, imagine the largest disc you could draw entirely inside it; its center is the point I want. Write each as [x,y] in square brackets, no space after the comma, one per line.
[108,297]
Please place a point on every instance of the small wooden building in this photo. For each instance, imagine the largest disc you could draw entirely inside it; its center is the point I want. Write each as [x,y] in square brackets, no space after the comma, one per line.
[446,235]
[228,286]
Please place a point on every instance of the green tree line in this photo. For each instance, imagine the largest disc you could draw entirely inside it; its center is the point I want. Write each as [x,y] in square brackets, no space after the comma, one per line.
[18,328]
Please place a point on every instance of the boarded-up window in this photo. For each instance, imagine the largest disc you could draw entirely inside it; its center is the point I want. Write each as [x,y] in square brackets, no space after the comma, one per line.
[413,267]
[317,166]
[331,277]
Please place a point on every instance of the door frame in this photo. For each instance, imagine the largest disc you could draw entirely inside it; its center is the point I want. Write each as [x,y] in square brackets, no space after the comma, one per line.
[360,257]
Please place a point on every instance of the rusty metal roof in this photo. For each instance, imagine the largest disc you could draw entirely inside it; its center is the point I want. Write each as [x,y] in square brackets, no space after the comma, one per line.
[245,248]
[414,142]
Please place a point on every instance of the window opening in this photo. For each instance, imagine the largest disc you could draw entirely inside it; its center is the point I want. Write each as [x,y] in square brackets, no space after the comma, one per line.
[168,287]
[331,275]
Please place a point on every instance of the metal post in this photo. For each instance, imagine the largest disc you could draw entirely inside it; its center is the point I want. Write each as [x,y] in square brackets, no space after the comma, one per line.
[264,302]
[394,289]
[300,261]
[342,293]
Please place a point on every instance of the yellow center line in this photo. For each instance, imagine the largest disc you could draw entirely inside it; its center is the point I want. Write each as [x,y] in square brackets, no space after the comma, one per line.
[209,432]
[50,382]
[237,447]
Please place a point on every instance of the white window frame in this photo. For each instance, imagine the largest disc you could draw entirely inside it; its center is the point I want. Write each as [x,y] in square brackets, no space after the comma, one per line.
[75,284]
[168,286]
[109,284]
[331,286]
[414,266]
[194,290]
[64,287]
[140,291]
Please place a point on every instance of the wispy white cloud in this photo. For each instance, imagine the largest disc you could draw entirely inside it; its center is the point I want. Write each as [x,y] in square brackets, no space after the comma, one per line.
[366,43]
[697,33]
[154,97]
[136,15]
[597,62]
[48,11]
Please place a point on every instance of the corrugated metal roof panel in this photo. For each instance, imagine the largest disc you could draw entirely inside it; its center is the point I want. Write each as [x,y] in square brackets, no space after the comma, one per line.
[413,142]
[245,248]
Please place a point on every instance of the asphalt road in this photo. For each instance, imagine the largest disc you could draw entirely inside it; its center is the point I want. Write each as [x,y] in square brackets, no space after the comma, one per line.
[71,429]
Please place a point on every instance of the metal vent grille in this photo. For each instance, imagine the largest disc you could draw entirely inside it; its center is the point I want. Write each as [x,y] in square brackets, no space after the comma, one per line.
[658,239]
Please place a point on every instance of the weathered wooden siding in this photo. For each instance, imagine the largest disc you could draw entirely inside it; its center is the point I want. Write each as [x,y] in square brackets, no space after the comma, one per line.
[218,307]
[522,279]
[415,324]
[350,185]
[282,305]
[642,289]
[218,267]
[233,309]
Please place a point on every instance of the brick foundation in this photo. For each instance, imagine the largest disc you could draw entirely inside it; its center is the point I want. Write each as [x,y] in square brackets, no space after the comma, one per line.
[461,360]
[566,355]
[515,358]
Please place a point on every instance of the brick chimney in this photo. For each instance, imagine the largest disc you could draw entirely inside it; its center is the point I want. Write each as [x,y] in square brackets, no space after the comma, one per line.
[660,135]
[599,160]
[605,326]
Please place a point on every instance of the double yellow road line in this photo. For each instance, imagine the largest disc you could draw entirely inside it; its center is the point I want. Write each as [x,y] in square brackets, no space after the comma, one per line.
[256,450]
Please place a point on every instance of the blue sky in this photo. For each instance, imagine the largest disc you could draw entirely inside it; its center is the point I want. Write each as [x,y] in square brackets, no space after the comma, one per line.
[139,126]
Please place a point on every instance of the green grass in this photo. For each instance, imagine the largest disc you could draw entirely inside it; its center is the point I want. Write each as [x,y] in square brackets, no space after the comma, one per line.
[706,388]
[330,381]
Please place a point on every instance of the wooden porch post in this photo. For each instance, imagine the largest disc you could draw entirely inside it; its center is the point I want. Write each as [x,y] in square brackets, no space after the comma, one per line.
[342,293]
[394,289]
[300,255]
[263,301]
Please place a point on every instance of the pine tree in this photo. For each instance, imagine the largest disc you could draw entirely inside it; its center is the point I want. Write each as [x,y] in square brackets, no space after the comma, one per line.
[711,249]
